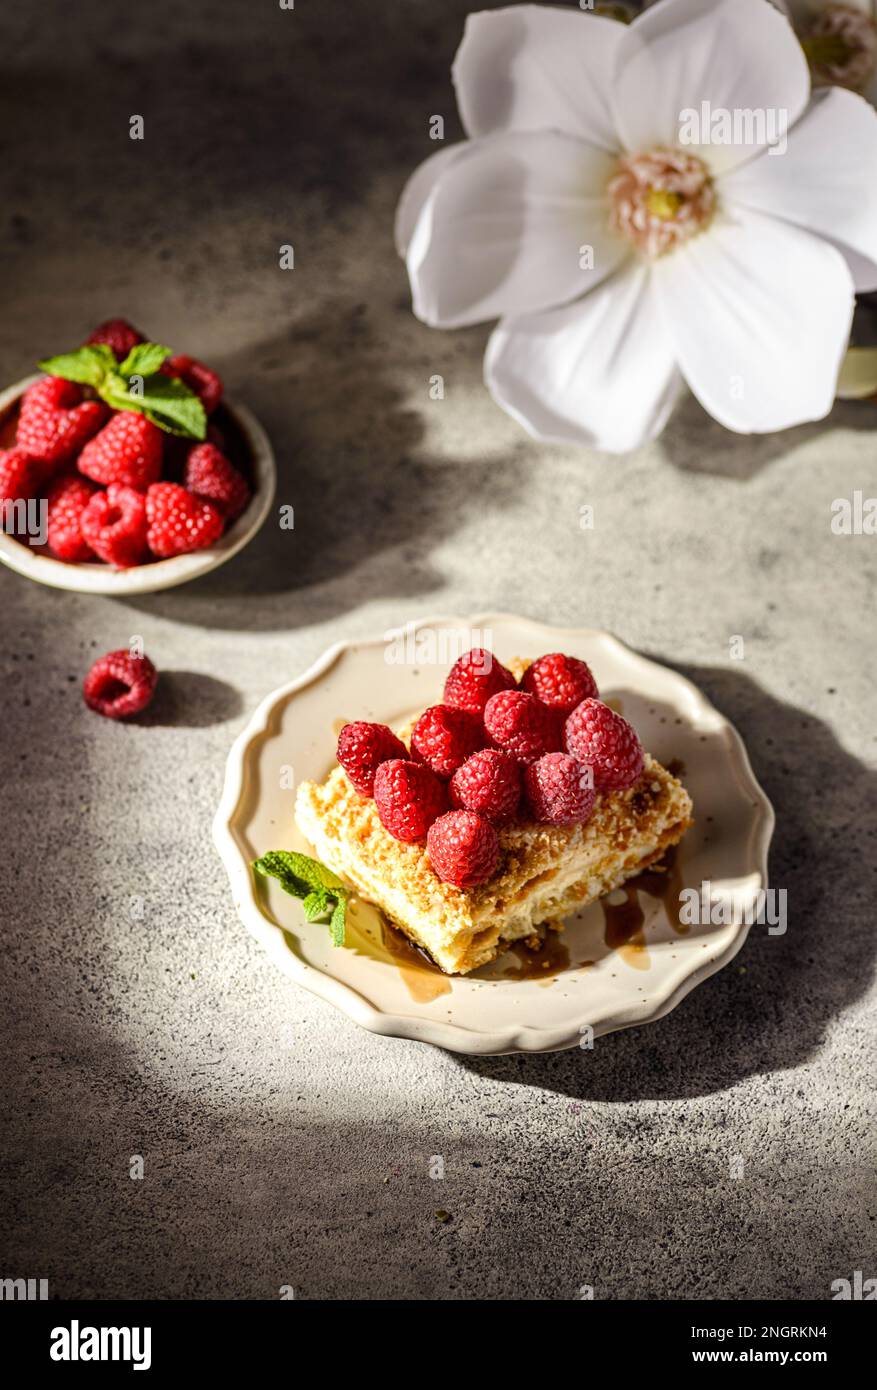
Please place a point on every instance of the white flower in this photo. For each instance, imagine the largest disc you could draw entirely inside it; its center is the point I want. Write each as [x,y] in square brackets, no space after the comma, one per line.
[622,262]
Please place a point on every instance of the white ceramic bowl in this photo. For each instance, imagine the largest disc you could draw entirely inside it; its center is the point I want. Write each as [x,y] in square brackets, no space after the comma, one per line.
[160,574]
[491,1011]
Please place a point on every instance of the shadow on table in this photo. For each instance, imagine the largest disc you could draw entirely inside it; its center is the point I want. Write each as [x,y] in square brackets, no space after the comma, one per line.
[370,503]
[770,1008]
[696,443]
[191,700]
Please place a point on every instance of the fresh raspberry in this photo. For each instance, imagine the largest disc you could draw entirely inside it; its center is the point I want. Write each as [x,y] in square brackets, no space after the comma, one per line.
[179,521]
[200,379]
[559,681]
[67,499]
[119,684]
[114,525]
[463,848]
[362,747]
[559,789]
[522,725]
[209,474]
[489,782]
[605,742]
[127,451]
[474,678]
[443,738]
[54,421]
[20,475]
[408,798]
[118,335]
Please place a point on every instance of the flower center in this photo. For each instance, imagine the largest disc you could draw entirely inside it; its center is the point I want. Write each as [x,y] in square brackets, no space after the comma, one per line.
[617,11]
[659,199]
[841,48]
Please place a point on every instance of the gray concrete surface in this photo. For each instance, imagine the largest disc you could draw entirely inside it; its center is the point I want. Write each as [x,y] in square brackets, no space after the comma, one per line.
[282,1145]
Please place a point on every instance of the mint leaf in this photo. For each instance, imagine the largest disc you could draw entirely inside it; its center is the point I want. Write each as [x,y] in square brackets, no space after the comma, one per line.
[164,400]
[144,359]
[321,891]
[338,922]
[88,365]
[302,867]
[317,904]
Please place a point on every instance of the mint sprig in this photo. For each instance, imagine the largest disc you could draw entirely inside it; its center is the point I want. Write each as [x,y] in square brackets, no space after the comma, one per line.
[322,892]
[88,365]
[135,384]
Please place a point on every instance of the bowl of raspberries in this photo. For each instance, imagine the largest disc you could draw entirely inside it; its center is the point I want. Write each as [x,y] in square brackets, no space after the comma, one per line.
[123,469]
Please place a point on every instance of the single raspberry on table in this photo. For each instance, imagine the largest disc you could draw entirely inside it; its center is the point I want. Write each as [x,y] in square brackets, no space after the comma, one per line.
[120,684]
[444,737]
[20,475]
[179,521]
[200,379]
[489,782]
[408,798]
[128,450]
[67,499]
[54,422]
[605,742]
[114,525]
[560,790]
[362,747]
[559,681]
[209,474]
[522,725]
[118,334]
[474,678]
[463,848]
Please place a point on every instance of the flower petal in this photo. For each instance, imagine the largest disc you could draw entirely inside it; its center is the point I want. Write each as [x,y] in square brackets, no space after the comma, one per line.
[761,313]
[739,58]
[820,181]
[418,188]
[600,371]
[530,67]
[504,229]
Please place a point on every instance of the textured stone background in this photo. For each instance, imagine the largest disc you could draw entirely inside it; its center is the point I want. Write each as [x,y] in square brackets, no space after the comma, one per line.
[282,1144]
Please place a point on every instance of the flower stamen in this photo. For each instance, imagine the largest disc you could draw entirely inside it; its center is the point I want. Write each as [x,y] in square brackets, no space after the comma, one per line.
[841,48]
[659,199]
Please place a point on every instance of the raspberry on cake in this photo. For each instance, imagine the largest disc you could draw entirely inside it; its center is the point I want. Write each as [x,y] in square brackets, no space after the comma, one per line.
[362,747]
[408,798]
[465,883]
[443,738]
[474,678]
[559,681]
[604,741]
[522,725]
[489,782]
[560,790]
[463,848]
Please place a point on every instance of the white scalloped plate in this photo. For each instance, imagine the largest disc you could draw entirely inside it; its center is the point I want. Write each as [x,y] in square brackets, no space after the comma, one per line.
[292,737]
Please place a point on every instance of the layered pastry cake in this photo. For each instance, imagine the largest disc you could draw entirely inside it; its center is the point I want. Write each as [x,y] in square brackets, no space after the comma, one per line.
[496,815]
